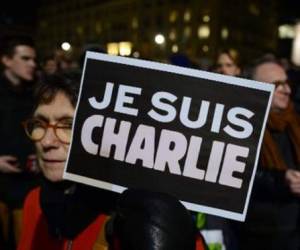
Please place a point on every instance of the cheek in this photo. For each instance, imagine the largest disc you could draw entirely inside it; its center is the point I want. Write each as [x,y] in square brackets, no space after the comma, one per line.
[66,149]
[230,70]
[19,67]
[279,100]
[38,150]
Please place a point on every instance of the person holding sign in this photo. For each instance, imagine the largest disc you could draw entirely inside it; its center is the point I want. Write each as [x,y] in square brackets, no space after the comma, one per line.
[59,214]
[273,220]
[65,215]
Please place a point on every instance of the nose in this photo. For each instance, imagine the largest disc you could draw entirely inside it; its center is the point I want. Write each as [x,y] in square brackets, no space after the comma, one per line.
[50,139]
[32,63]
[287,89]
[284,88]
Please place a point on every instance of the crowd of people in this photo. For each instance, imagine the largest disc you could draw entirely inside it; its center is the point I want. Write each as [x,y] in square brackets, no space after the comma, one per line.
[40,210]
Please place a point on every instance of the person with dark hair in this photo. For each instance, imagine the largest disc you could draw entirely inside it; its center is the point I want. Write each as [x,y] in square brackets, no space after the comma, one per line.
[146,220]
[59,214]
[18,56]
[89,47]
[228,62]
[273,220]
[65,215]
[18,59]
[49,65]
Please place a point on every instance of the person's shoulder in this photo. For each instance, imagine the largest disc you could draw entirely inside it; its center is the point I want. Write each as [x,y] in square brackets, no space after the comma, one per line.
[32,201]
[31,220]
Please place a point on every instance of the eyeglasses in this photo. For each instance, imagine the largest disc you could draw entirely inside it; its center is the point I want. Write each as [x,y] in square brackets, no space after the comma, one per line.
[282,83]
[36,129]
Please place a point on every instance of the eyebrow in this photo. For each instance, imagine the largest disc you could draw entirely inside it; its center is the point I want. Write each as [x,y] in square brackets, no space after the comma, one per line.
[27,58]
[44,118]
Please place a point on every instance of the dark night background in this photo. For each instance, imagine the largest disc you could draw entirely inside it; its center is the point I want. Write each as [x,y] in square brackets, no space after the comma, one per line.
[23,16]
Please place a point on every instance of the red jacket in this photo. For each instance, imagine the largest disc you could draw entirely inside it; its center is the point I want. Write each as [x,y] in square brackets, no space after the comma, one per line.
[35,235]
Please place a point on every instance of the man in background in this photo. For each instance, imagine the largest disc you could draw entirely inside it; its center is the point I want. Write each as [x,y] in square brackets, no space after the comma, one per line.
[18,57]
[273,220]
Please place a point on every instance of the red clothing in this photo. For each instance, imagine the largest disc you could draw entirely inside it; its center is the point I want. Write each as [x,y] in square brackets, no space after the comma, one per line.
[35,235]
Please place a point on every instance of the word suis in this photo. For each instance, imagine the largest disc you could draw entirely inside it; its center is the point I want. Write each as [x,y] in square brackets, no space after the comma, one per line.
[174,152]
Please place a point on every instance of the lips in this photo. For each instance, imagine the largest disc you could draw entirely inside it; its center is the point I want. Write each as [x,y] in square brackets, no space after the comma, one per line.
[53,162]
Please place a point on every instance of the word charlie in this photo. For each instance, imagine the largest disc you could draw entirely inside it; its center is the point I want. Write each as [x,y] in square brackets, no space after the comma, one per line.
[174,152]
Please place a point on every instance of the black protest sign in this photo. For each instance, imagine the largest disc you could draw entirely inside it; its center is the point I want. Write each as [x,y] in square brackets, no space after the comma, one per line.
[189,133]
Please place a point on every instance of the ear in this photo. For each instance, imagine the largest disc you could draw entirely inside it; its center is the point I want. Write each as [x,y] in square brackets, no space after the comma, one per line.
[6,61]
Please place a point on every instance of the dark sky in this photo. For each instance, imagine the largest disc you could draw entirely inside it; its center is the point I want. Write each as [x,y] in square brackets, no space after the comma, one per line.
[18,12]
[289,11]
[25,11]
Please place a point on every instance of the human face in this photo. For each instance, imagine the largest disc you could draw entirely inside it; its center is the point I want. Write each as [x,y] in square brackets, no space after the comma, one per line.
[51,152]
[226,66]
[22,63]
[50,67]
[272,73]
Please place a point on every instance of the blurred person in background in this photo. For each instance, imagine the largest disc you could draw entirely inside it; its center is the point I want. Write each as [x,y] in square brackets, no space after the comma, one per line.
[89,47]
[273,220]
[49,65]
[65,62]
[228,63]
[181,59]
[18,57]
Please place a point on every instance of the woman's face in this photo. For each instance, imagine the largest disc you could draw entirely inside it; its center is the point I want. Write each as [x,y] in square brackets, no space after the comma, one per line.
[226,66]
[51,151]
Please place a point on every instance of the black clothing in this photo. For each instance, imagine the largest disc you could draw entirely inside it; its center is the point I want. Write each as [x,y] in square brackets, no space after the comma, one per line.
[15,106]
[70,207]
[273,220]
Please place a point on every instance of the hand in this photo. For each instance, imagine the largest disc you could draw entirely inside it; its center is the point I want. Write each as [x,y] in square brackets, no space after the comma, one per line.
[9,164]
[292,178]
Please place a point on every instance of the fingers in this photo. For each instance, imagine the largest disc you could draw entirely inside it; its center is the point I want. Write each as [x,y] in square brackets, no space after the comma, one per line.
[8,158]
[9,164]
[293,181]
[6,167]
[295,189]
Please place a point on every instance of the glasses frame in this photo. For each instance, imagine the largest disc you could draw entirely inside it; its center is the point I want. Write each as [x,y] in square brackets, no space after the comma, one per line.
[282,83]
[47,126]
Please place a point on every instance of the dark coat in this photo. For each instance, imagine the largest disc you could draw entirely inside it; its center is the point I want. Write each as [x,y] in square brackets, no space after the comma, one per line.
[15,106]
[273,220]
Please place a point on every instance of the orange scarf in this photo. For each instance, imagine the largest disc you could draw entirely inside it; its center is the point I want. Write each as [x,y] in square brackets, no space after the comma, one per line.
[287,120]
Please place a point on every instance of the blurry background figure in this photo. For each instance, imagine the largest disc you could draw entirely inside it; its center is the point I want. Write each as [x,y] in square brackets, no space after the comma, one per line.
[273,220]
[49,65]
[181,59]
[92,48]
[16,160]
[228,63]
[66,64]
[147,220]
[293,73]
[64,61]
